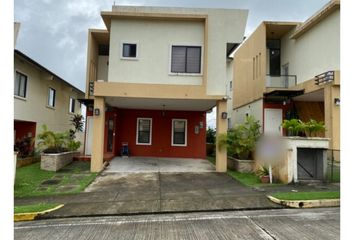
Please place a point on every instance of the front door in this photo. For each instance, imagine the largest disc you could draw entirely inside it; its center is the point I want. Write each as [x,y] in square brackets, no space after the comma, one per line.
[110,134]
[273,119]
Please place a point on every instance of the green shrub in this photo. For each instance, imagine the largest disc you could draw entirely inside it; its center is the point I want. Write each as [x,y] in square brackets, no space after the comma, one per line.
[241,140]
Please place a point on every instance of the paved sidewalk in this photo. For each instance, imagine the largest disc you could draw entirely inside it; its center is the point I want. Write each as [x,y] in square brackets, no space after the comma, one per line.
[122,193]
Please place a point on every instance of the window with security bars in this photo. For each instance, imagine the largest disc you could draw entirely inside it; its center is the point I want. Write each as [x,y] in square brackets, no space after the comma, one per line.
[144,131]
[20,85]
[186,59]
[179,134]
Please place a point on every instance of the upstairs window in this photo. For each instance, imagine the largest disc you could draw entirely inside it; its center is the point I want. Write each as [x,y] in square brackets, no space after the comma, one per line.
[179,132]
[143,131]
[186,59]
[129,50]
[51,97]
[72,105]
[20,85]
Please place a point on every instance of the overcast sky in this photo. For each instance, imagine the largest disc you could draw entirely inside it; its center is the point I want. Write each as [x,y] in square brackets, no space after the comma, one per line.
[54,33]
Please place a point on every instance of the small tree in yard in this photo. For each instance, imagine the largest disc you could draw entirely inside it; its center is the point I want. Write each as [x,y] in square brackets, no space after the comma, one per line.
[241,140]
[210,135]
[78,123]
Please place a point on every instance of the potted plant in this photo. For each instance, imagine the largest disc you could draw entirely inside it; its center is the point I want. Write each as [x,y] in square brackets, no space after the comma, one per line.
[263,174]
[293,126]
[240,142]
[312,128]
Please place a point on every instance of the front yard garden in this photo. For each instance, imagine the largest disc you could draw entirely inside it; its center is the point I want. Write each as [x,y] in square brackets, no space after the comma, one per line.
[32,181]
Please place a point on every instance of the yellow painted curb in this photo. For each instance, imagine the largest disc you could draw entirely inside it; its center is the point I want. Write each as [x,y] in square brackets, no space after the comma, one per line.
[32,215]
[306,203]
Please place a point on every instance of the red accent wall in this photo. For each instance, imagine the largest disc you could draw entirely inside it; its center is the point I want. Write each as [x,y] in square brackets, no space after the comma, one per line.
[125,131]
[161,133]
[23,128]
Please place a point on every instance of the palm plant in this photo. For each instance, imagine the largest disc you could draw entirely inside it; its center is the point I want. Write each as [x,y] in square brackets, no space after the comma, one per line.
[51,142]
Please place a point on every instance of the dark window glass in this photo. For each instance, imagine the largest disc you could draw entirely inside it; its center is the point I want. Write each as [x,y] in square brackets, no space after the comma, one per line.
[129,50]
[51,97]
[186,59]
[20,85]
[274,62]
[144,130]
[72,105]
[110,135]
[179,132]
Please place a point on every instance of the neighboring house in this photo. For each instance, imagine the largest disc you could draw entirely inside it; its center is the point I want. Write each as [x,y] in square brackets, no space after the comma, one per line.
[153,75]
[285,70]
[41,97]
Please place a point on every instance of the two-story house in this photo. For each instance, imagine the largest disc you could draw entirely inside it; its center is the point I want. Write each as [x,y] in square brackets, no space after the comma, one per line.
[152,76]
[41,97]
[285,70]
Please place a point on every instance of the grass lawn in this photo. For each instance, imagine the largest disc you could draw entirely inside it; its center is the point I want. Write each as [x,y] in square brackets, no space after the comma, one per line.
[248,179]
[306,195]
[30,180]
[35,207]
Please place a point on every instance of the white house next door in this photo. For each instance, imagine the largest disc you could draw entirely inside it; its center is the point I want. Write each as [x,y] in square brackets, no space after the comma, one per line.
[273,119]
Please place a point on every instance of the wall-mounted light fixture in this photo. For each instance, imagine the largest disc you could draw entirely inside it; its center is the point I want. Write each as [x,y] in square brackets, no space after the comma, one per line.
[97,112]
[337,101]
[224,115]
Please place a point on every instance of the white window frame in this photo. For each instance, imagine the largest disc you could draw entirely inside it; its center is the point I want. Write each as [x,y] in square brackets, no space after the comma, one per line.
[23,73]
[55,96]
[72,98]
[185,132]
[186,45]
[129,58]
[137,131]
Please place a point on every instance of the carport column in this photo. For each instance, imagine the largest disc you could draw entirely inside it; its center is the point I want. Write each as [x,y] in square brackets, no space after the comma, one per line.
[98,135]
[332,118]
[221,127]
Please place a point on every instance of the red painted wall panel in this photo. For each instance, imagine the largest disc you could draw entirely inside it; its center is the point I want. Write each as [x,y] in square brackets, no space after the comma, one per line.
[23,128]
[125,131]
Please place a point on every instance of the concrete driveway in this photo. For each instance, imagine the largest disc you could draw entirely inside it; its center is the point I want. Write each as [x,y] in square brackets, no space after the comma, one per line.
[155,164]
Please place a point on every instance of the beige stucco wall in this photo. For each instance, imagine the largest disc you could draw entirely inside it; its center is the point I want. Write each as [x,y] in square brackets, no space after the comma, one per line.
[34,108]
[246,87]
[154,40]
[253,109]
[316,51]
[163,26]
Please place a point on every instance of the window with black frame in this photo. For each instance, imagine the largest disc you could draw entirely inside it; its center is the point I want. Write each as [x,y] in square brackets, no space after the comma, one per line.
[144,131]
[186,59]
[20,85]
[274,56]
[179,134]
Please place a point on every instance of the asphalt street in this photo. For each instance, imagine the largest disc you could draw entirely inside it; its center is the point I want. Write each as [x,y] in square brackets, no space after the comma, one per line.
[321,223]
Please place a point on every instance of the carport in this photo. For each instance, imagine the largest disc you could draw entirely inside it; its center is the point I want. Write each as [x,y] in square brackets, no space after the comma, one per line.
[156,164]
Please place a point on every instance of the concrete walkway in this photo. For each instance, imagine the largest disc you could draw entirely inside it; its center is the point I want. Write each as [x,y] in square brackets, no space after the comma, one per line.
[126,193]
[154,164]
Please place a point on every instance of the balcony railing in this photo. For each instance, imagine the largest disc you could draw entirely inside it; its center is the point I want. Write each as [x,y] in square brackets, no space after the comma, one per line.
[280,81]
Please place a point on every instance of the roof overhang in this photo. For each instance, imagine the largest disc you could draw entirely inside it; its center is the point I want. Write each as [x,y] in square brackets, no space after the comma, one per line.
[276,30]
[316,18]
[107,16]
[281,95]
